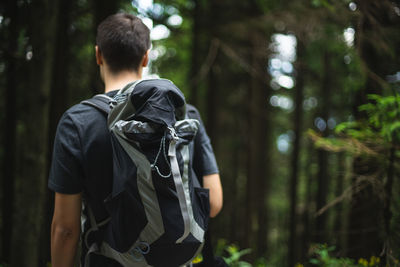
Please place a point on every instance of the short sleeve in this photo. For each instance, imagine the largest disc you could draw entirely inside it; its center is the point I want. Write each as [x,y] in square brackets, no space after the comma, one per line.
[66,172]
[204,162]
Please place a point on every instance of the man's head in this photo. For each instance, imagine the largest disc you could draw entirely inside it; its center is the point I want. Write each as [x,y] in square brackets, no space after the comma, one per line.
[122,41]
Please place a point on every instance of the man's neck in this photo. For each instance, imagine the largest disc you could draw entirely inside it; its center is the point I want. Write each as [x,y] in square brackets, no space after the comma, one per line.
[117,81]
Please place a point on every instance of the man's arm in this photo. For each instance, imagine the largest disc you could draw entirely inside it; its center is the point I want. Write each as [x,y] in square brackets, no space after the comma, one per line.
[213,183]
[65,229]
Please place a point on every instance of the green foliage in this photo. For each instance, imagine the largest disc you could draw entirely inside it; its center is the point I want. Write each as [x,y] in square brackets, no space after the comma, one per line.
[382,120]
[384,116]
[232,254]
[235,254]
[323,257]
[173,53]
[322,3]
[372,136]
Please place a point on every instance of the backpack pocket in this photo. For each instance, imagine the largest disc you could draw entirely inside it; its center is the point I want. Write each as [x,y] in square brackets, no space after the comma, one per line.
[127,221]
[202,207]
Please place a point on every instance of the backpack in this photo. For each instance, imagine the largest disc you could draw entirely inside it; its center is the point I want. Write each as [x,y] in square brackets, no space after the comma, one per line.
[158,217]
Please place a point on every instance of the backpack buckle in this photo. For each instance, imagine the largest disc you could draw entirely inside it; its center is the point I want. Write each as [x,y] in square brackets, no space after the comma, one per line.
[141,249]
[173,134]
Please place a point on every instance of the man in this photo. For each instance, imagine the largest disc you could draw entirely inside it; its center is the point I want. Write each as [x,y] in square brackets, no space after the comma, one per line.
[81,170]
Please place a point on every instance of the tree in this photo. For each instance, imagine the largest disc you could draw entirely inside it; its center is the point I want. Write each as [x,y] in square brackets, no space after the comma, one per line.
[8,184]
[364,228]
[295,170]
[32,139]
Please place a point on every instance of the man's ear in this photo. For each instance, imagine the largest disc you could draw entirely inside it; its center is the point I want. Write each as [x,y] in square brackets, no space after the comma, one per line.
[99,56]
[145,60]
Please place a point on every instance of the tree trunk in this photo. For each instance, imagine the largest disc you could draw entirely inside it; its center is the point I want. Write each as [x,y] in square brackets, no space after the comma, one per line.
[264,142]
[212,107]
[323,175]
[58,104]
[309,197]
[8,179]
[212,93]
[258,149]
[194,64]
[33,138]
[387,212]
[234,232]
[293,254]
[338,222]
[365,216]
[364,233]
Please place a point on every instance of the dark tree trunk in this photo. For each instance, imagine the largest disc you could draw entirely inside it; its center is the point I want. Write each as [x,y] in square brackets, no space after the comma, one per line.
[387,212]
[264,143]
[338,222]
[212,93]
[194,64]
[8,179]
[258,149]
[293,254]
[364,230]
[365,215]
[307,213]
[33,138]
[234,232]
[323,175]
[58,104]
[60,85]
[212,107]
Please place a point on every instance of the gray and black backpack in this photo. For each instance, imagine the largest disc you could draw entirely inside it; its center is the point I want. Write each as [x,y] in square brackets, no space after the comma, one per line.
[157,216]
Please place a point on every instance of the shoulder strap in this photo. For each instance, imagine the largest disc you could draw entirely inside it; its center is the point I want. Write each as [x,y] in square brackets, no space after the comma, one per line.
[101,102]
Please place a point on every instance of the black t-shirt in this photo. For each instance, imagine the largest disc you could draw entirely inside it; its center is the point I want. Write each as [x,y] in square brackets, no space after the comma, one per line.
[82,157]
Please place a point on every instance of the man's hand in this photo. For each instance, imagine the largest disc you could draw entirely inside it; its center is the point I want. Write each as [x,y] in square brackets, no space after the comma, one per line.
[213,183]
[65,229]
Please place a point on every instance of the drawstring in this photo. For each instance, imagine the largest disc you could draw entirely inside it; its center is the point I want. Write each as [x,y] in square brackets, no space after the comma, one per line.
[154,166]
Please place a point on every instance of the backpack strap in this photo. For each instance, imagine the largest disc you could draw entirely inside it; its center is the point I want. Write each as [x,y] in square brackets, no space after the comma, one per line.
[100,102]
[94,226]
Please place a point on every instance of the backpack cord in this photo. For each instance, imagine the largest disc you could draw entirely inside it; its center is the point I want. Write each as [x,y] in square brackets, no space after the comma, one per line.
[94,226]
[154,166]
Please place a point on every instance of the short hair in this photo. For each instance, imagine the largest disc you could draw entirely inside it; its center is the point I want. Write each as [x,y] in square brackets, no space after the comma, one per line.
[123,39]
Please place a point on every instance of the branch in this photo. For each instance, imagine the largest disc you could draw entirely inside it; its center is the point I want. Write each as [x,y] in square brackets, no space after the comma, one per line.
[208,62]
[361,183]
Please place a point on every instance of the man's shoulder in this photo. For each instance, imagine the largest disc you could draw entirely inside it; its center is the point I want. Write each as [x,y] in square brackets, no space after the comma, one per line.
[81,111]
[82,117]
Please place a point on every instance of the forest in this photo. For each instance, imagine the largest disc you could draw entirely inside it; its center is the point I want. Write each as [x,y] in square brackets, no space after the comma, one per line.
[300,98]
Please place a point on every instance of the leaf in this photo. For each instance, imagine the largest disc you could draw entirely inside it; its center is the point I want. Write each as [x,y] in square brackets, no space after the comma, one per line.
[367,107]
[341,127]
[244,264]
[374,97]
[394,126]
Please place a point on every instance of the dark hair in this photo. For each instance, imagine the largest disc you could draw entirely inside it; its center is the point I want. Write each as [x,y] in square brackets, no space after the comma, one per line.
[123,40]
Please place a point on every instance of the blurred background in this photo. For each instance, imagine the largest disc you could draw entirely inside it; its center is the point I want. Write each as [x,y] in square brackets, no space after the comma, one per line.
[300,99]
